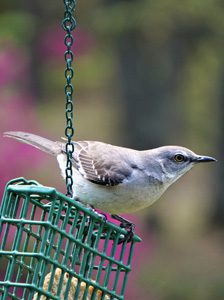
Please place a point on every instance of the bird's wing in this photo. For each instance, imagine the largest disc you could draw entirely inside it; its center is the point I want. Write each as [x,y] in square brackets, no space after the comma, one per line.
[101,163]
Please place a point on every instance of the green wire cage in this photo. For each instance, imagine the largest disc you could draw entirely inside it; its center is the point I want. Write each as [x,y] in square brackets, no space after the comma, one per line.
[52,247]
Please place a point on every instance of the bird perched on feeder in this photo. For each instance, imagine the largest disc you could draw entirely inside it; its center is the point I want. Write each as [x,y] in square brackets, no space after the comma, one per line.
[116,179]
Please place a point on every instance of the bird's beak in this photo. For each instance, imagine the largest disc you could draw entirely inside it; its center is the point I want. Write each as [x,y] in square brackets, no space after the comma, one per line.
[201,158]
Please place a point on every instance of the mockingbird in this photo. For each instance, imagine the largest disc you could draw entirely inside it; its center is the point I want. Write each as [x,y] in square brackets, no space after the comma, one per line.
[116,179]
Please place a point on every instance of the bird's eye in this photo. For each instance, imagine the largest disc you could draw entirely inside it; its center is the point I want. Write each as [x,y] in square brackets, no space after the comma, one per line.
[179,158]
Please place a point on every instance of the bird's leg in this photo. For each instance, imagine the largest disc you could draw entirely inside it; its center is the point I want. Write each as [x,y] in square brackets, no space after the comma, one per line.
[127,225]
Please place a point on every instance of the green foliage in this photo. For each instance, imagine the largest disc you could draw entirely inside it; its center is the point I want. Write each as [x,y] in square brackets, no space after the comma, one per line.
[18,26]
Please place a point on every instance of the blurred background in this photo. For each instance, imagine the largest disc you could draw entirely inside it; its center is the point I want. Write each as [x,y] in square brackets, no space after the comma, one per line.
[147,74]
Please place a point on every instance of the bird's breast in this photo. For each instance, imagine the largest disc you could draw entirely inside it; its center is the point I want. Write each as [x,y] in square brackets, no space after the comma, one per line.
[126,197]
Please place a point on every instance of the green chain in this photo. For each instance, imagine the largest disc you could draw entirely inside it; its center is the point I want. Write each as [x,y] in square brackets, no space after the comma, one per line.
[69,24]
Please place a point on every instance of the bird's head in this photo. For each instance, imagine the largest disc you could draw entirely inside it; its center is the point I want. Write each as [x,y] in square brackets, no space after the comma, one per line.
[175,161]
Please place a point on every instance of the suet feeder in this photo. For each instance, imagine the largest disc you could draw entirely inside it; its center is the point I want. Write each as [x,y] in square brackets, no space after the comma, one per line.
[53,247]
[60,249]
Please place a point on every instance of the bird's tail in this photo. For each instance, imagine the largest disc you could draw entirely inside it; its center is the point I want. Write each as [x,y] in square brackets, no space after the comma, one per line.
[53,148]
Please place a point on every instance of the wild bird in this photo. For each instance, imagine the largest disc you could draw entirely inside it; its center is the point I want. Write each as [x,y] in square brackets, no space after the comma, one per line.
[114,179]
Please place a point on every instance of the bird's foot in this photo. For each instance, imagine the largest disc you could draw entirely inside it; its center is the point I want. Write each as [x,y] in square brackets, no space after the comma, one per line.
[128,226]
[100,214]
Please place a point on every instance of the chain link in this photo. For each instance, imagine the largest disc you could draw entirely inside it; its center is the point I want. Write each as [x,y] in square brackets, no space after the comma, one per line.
[69,24]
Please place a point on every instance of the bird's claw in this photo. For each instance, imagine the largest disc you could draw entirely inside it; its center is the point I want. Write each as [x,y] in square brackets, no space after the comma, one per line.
[102,215]
[128,226]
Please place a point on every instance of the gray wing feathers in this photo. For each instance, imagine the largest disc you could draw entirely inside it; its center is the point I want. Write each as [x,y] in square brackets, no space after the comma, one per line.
[100,163]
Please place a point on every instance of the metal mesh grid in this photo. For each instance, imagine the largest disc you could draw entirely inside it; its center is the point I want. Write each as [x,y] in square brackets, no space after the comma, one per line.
[52,247]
